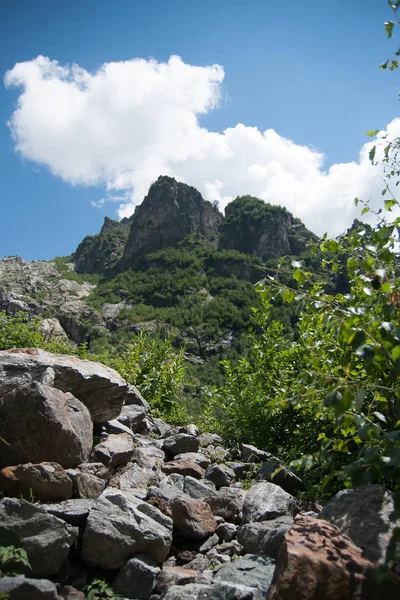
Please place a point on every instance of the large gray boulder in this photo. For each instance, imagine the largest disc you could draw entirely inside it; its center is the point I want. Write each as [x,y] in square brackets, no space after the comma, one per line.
[22,588]
[41,424]
[364,515]
[120,526]
[266,501]
[100,388]
[45,538]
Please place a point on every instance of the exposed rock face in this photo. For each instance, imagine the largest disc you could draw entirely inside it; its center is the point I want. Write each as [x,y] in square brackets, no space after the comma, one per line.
[41,423]
[100,253]
[169,213]
[45,538]
[254,227]
[100,388]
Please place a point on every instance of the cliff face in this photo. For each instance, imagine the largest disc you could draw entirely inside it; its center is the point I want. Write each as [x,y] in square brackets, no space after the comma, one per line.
[253,227]
[170,211]
[100,253]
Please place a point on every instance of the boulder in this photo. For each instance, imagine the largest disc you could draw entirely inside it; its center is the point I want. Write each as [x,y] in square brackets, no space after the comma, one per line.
[134,397]
[116,450]
[183,467]
[133,477]
[364,515]
[214,591]
[199,489]
[220,475]
[192,519]
[148,457]
[226,531]
[89,480]
[249,570]
[120,526]
[266,501]
[227,503]
[57,426]
[137,578]
[44,482]
[22,588]
[181,442]
[252,454]
[132,416]
[45,538]
[265,537]
[100,388]
[316,561]
[196,457]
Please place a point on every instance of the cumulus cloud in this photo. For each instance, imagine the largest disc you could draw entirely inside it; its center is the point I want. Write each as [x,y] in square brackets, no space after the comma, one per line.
[129,122]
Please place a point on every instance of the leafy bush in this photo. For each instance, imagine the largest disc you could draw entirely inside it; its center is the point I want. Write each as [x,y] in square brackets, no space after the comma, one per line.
[12,559]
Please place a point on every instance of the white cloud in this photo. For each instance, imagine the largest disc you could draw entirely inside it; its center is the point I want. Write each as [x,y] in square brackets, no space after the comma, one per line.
[132,121]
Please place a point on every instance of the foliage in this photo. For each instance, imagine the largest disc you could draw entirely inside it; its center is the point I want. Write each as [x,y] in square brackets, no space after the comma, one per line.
[19,331]
[151,364]
[99,589]
[12,559]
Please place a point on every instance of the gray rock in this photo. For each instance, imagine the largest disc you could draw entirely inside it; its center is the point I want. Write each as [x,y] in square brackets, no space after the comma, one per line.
[196,457]
[226,532]
[100,388]
[181,442]
[200,563]
[275,472]
[183,467]
[45,482]
[253,454]
[89,480]
[121,526]
[199,489]
[241,469]
[149,457]
[265,537]
[220,475]
[144,441]
[137,578]
[45,538]
[160,427]
[57,425]
[216,591]
[206,439]
[251,571]
[190,429]
[115,450]
[22,588]
[227,503]
[134,397]
[266,501]
[133,477]
[116,427]
[364,515]
[75,511]
[209,543]
[170,576]
[231,548]
[132,416]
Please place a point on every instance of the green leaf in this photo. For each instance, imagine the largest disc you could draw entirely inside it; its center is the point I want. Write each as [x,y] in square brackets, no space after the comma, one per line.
[372,133]
[389,28]
[360,397]
[389,204]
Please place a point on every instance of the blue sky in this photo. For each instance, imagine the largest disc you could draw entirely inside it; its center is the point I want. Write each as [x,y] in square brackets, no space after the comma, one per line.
[306,71]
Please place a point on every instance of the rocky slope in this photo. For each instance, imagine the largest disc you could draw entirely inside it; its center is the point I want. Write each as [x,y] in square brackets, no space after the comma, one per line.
[163,513]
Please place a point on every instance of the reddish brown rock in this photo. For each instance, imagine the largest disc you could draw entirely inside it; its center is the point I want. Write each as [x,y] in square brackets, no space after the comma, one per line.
[317,562]
[45,481]
[192,519]
[175,576]
[183,467]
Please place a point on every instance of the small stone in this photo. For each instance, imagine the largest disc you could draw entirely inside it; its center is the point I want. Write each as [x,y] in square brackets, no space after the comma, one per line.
[137,578]
[220,475]
[226,531]
[115,450]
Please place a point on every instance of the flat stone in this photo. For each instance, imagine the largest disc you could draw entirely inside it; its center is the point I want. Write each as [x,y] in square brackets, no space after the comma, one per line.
[45,482]
[183,467]
[249,570]
[214,591]
[75,511]
[196,457]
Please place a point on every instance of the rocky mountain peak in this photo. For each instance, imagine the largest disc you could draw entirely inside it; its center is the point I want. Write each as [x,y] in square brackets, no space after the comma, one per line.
[170,211]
